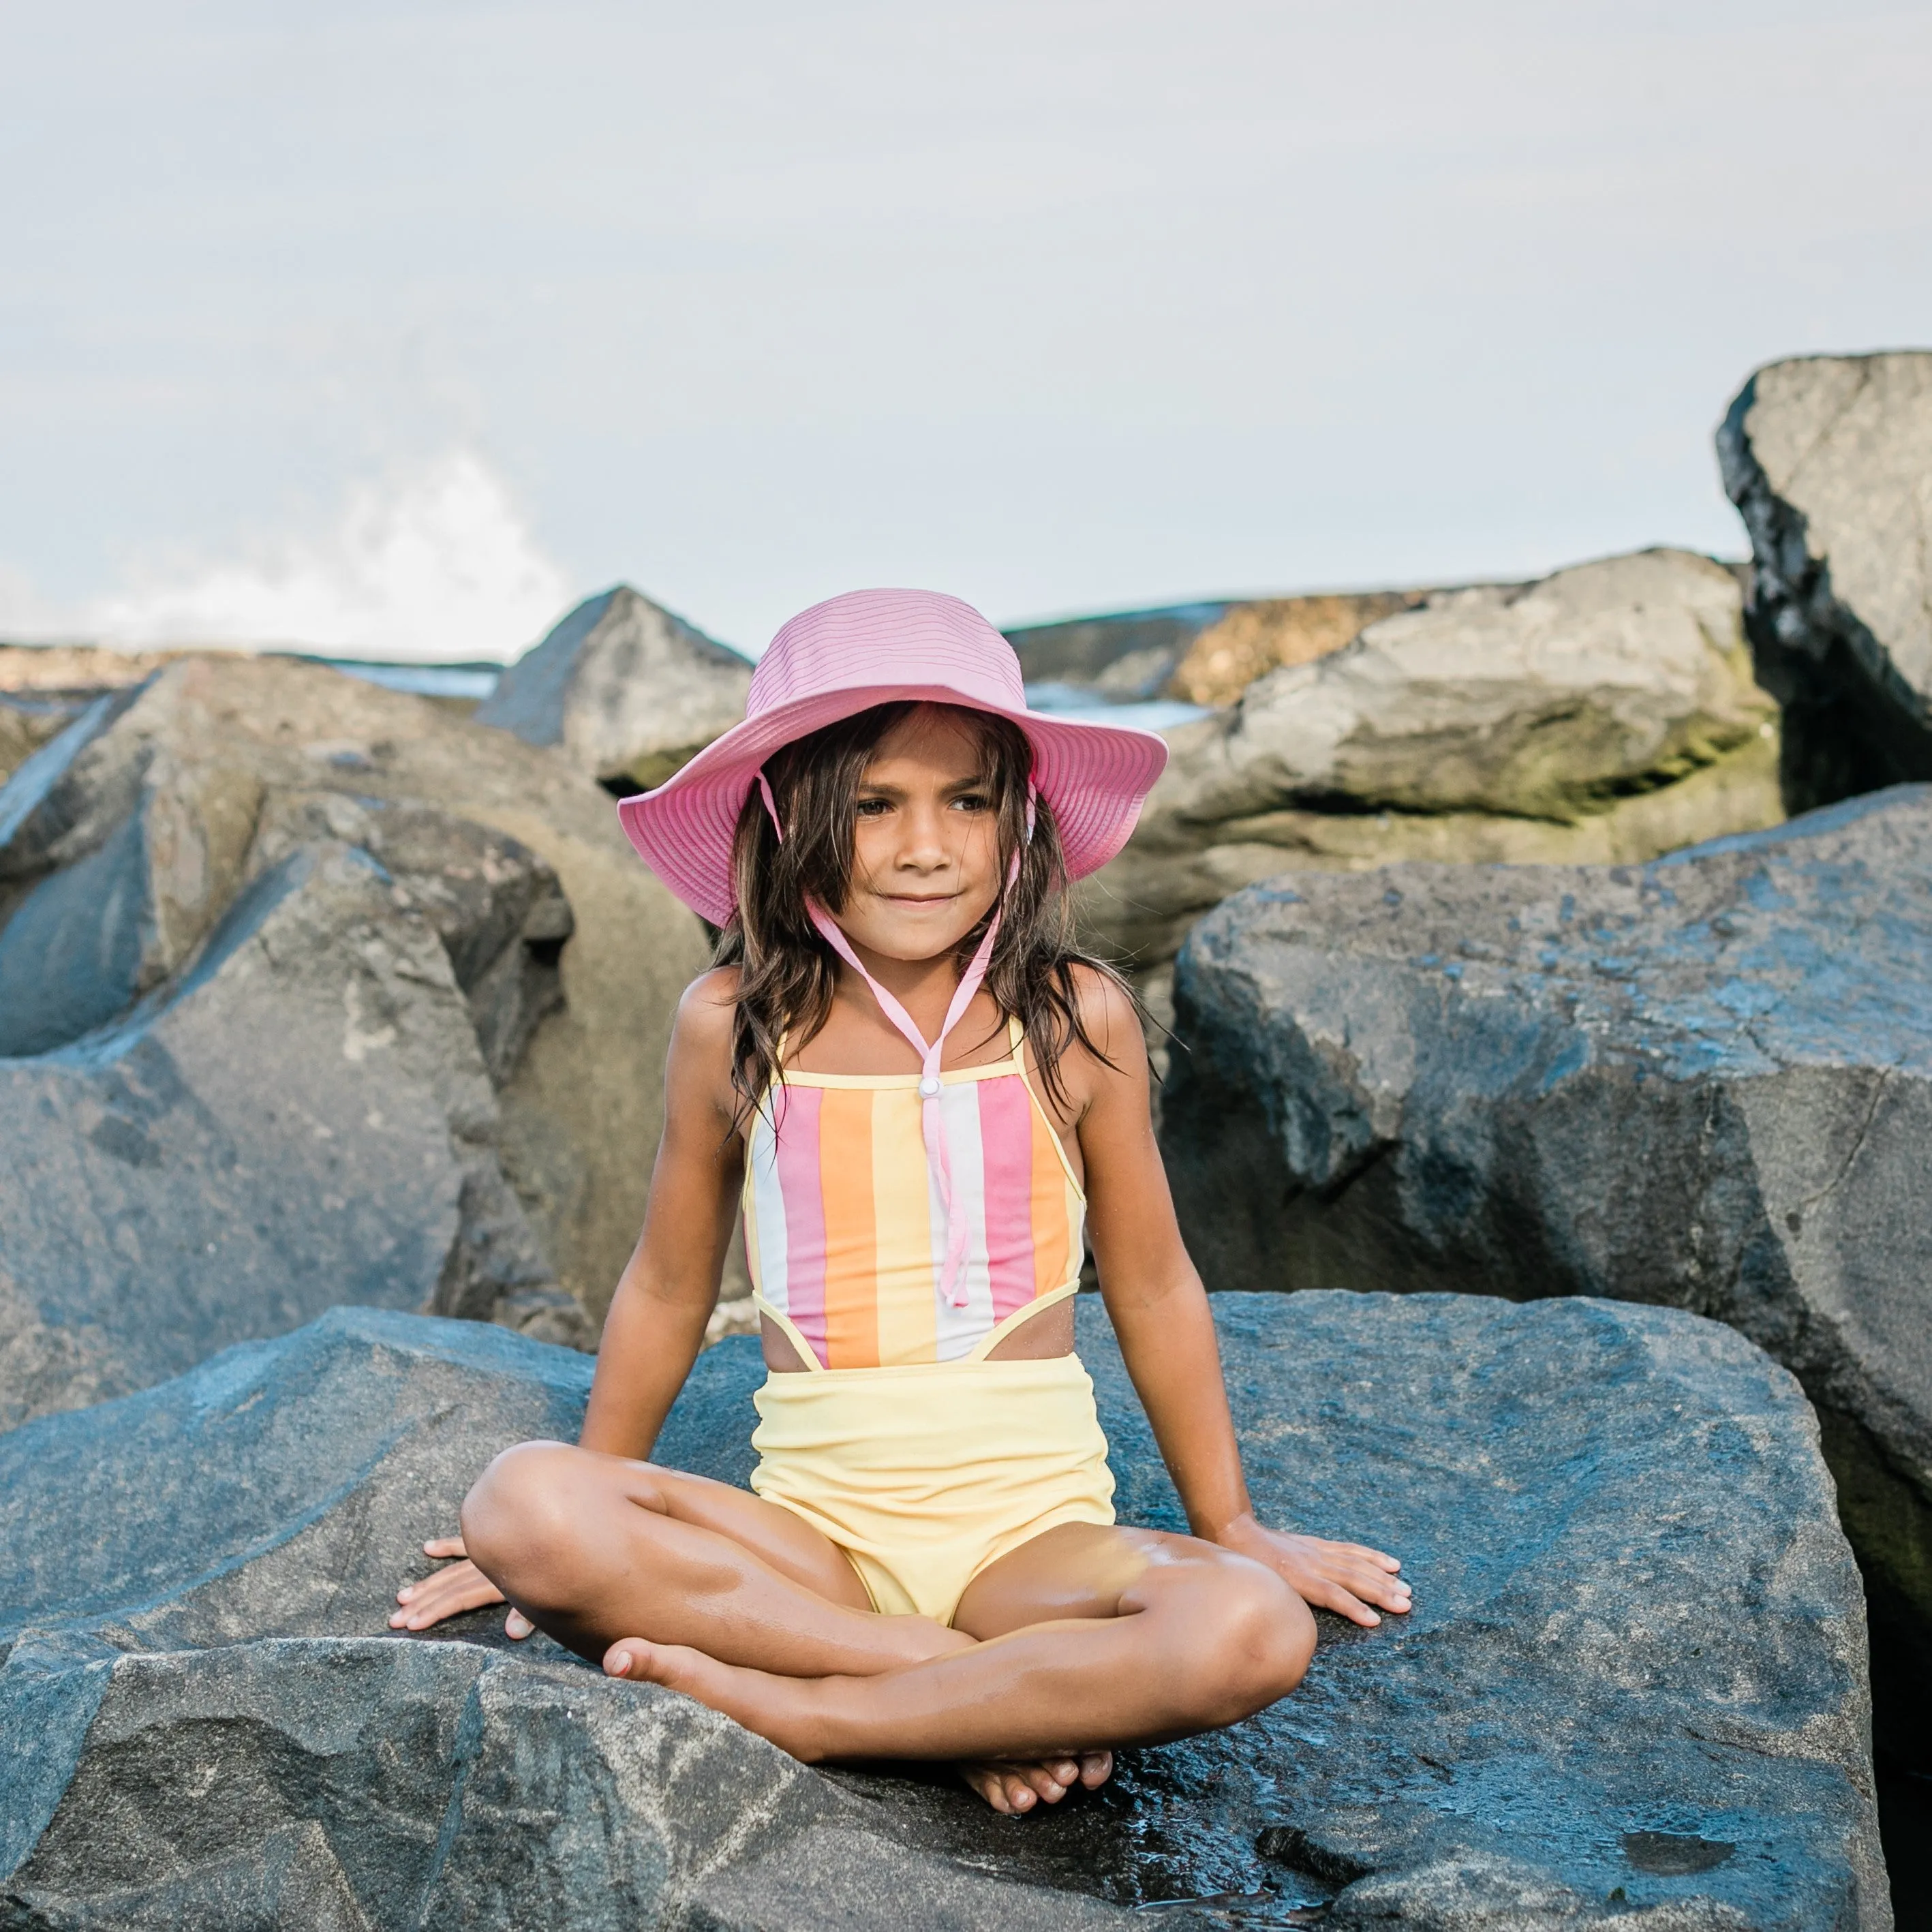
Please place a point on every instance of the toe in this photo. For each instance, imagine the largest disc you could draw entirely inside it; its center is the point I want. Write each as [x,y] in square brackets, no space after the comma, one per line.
[1095,1768]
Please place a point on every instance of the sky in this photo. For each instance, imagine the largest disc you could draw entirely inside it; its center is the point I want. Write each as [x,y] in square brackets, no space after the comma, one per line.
[394,329]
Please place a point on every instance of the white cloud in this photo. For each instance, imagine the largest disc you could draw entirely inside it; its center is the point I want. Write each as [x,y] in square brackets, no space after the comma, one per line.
[428,566]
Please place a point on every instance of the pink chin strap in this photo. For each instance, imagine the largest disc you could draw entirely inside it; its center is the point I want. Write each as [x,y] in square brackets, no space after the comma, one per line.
[931,1122]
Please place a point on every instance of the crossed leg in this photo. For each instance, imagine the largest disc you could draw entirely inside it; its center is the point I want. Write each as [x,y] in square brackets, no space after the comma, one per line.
[1084,1639]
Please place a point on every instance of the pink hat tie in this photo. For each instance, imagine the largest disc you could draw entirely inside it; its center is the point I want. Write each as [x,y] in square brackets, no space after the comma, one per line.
[932,1126]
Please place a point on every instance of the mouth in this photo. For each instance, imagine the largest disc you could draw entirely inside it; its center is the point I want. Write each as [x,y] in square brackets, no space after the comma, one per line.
[910,900]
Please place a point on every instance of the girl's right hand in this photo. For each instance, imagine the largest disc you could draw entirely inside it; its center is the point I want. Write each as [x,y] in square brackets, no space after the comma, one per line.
[451,1591]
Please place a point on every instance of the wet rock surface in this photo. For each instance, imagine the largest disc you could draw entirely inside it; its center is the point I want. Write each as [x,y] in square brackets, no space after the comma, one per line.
[627,690]
[1704,1082]
[200,1722]
[1607,712]
[1829,459]
[311,991]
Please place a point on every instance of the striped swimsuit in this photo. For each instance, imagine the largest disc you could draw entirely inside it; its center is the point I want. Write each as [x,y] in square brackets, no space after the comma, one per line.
[899,1227]
[845,1231]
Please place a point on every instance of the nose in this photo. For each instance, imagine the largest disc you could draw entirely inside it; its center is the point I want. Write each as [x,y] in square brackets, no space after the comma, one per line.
[924,847]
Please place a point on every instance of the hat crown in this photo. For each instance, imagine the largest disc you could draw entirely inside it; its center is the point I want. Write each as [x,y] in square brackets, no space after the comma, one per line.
[896,639]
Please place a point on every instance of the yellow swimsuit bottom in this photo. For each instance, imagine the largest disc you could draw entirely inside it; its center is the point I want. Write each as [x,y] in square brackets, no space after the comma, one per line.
[925,1474]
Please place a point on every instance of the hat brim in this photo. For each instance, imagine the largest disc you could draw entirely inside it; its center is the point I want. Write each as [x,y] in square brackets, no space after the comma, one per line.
[1094,776]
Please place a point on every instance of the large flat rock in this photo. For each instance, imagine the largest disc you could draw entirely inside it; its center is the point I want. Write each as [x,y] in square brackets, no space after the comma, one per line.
[1829,459]
[201,1721]
[1608,711]
[1706,1082]
[312,991]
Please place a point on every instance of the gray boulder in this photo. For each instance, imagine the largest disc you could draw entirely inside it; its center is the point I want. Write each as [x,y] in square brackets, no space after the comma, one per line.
[628,691]
[201,1721]
[1829,459]
[311,991]
[1607,712]
[1706,1082]
[304,1119]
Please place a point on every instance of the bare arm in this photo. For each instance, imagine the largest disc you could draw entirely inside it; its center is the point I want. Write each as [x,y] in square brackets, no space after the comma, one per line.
[1160,1311]
[656,1325]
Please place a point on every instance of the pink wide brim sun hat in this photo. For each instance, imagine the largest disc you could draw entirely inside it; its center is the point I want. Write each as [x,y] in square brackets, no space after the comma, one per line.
[873,647]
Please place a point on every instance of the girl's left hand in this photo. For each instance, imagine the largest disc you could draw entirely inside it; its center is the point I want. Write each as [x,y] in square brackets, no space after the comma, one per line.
[1344,1577]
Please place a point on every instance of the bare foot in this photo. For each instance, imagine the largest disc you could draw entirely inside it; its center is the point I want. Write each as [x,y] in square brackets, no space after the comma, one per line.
[1016,1789]
[777,1708]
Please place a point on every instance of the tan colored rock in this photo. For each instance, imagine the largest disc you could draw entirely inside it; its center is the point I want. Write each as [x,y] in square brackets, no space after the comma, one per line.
[1274,632]
[76,666]
[24,729]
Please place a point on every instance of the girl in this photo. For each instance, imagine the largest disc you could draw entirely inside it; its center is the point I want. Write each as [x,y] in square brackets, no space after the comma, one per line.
[920,1092]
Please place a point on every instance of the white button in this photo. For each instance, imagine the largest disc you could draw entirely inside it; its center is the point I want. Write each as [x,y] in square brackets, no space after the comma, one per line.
[929,1087]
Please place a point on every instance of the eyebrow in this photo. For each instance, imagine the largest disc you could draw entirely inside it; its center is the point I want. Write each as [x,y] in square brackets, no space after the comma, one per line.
[980,783]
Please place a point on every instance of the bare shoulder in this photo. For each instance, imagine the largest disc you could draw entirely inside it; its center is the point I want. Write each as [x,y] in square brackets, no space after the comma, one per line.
[1112,1020]
[706,1012]
[710,999]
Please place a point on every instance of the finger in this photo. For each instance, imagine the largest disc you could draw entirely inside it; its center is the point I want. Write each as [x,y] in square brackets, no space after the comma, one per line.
[445,1546]
[1346,1603]
[518,1625]
[434,1606]
[1377,1586]
[1364,1553]
[1367,1575]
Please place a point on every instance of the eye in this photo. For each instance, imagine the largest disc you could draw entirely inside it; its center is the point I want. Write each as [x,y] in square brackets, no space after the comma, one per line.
[873,808]
[972,801]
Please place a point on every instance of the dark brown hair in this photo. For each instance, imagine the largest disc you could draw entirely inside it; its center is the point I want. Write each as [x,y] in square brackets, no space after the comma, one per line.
[787,972]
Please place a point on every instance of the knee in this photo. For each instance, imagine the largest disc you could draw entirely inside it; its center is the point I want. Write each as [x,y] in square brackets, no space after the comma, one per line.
[1263,1639]
[519,1520]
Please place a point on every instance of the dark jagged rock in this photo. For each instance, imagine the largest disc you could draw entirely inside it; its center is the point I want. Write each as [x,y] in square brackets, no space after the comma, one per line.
[1706,1082]
[269,936]
[496,906]
[628,691]
[304,1119]
[200,1724]
[1829,459]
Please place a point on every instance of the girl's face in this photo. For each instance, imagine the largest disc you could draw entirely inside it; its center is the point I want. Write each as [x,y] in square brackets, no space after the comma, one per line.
[925,847]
